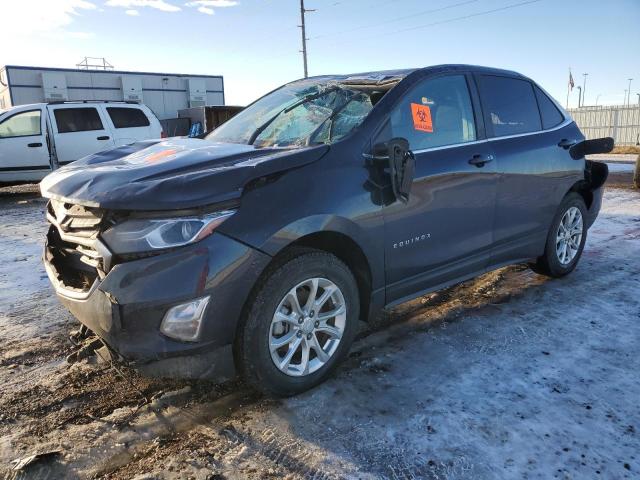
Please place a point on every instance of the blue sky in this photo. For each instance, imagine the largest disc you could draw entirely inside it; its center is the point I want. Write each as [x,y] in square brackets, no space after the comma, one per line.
[255,43]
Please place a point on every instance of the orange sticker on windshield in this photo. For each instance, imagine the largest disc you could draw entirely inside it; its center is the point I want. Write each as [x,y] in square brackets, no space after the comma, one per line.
[421,117]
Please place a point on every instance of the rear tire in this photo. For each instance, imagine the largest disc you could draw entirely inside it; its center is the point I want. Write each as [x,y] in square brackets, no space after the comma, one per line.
[565,240]
[283,312]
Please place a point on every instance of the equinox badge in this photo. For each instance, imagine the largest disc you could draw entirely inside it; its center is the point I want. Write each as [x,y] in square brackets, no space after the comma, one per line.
[412,240]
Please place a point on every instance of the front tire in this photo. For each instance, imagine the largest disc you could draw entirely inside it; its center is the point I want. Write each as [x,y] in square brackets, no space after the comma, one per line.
[300,324]
[565,240]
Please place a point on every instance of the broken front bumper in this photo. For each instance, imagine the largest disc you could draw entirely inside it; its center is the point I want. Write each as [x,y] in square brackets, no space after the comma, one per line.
[125,306]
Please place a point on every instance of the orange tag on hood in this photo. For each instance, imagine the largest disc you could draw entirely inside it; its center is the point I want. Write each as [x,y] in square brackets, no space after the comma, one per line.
[421,117]
[162,154]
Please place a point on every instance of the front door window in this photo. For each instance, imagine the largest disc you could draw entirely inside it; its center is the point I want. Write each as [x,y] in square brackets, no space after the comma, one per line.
[435,113]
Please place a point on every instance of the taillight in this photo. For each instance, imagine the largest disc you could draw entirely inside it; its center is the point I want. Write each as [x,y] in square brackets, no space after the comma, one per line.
[163,134]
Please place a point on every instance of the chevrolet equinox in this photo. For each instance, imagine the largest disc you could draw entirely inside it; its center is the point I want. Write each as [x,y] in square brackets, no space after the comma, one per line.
[259,247]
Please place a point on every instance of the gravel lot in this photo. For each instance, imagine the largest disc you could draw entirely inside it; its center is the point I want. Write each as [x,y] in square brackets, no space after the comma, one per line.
[510,375]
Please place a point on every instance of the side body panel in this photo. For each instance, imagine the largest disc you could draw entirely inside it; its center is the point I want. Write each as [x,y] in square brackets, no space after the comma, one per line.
[71,146]
[446,229]
[24,157]
[126,136]
[535,174]
[333,195]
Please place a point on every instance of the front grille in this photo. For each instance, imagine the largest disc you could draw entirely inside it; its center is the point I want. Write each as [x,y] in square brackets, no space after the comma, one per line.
[73,248]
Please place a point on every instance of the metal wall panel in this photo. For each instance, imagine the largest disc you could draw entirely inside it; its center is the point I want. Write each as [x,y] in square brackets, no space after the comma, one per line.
[164,94]
[620,122]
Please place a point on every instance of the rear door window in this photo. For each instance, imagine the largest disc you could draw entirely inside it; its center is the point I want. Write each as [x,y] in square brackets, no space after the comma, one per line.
[123,117]
[510,105]
[71,120]
[551,116]
[437,112]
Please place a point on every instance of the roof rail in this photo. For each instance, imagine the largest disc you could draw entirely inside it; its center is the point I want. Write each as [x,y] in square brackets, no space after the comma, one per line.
[58,102]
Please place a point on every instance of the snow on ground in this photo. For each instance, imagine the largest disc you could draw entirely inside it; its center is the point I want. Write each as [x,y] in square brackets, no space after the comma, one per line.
[621,167]
[510,375]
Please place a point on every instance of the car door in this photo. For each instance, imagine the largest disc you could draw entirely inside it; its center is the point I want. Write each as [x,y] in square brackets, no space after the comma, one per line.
[535,170]
[78,130]
[128,123]
[23,148]
[445,230]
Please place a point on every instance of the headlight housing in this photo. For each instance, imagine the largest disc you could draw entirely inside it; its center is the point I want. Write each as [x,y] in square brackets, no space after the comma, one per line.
[141,235]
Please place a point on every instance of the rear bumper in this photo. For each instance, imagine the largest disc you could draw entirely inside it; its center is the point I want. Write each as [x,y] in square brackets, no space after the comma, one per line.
[126,307]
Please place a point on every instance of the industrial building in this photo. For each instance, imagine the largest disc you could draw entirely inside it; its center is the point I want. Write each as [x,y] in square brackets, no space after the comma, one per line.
[164,93]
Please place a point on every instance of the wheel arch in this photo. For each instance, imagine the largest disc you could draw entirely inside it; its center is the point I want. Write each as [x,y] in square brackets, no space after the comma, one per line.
[595,175]
[349,252]
[340,244]
[584,189]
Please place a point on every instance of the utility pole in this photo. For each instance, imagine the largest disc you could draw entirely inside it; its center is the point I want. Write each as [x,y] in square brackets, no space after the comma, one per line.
[304,36]
[584,87]
[629,95]
[598,98]
[638,99]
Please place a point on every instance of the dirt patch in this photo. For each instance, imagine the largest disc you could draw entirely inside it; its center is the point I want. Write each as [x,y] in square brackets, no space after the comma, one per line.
[622,180]
[627,149]
[83,393]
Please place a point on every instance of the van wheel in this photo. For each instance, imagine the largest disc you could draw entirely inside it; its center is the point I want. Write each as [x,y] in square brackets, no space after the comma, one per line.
[300,324]
[565,240]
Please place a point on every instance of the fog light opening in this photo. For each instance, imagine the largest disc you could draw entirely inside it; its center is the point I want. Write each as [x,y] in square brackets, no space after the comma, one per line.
[184,322]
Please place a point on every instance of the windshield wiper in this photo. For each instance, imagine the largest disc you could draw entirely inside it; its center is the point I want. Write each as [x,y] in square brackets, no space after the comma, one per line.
[302,101]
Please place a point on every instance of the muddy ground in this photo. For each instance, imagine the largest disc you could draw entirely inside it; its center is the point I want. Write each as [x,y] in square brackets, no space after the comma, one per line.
[510,375]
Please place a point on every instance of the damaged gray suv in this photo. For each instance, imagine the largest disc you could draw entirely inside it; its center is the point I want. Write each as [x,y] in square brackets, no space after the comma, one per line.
[258,248]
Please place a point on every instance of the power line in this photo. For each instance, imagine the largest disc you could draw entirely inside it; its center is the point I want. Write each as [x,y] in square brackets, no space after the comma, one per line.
[418,14]
[479,14]
[441,22]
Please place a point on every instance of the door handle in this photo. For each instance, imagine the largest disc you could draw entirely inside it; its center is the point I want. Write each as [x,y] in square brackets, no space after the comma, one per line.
[566,143]
[479,160]
[33,145]
[104,137]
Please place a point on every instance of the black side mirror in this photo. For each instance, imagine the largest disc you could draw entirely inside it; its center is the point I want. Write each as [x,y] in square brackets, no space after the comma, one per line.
[590,147]
[401,162]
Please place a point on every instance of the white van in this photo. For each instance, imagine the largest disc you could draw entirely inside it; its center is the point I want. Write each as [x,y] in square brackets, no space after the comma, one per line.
[38,138]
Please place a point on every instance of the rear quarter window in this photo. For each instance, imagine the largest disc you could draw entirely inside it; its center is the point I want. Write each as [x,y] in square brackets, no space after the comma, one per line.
[551,116]
[510,105]
[127,117]
[71,120]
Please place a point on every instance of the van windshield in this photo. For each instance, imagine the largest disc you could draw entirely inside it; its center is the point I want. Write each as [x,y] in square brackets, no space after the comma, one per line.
[298,114]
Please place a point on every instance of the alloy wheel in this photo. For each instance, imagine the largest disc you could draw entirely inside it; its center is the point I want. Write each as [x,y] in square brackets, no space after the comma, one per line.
[569,235]
[307,327]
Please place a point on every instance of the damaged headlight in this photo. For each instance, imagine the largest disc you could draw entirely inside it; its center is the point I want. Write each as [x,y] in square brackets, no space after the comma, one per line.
[142,235]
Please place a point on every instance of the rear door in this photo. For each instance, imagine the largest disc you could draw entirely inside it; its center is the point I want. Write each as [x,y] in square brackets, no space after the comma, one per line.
[535,170]
[445,230]
[128,123]
[79,130]
[23,147]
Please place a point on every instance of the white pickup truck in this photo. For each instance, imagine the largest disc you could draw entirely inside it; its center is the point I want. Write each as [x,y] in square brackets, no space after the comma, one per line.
[38,138]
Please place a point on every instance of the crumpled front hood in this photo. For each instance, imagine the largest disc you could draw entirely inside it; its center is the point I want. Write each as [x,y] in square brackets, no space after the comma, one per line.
[173,174]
